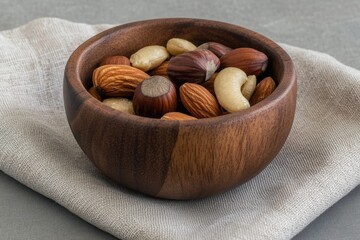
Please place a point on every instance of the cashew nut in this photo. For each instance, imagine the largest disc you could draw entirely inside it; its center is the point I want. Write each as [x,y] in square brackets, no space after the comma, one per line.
[227,86]
[121,104]
[249,87]
[149,57]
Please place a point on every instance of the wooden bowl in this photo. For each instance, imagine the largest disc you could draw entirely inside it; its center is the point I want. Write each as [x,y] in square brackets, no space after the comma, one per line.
[172,159]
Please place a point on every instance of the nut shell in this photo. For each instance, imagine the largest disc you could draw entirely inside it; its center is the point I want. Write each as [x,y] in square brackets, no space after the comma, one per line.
[195,66]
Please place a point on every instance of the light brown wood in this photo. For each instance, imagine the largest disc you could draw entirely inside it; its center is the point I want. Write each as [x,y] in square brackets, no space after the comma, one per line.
[173,159]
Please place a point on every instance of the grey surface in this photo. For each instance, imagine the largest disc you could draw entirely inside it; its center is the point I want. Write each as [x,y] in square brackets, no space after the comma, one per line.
[25,214]
[327,26]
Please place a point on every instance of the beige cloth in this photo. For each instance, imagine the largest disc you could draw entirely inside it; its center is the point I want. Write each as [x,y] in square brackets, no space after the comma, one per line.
[318,165]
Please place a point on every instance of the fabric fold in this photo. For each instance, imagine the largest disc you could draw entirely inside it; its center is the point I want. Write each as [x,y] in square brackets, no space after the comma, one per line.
[318,165]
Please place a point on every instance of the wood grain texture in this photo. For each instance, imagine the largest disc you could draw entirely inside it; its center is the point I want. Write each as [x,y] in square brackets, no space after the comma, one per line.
[172,159]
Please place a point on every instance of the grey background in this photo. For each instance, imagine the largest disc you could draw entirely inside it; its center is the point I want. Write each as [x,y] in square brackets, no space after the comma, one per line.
[329,26]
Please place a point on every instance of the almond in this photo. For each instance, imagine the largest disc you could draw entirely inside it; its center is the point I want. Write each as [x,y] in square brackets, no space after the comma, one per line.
[177,116]
[117,80]
[116,60]
[251,61]
[93,92]
[209,84]
[263,90]
[160,70]
[199,101]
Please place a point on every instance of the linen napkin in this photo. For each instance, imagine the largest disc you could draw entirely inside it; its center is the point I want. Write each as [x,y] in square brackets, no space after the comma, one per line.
[318,165]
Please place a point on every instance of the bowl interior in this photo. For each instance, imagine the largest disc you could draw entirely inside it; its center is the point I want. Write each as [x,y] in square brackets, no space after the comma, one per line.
[127,39]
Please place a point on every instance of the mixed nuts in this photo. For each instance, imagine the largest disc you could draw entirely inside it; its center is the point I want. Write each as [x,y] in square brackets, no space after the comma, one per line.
[182,81]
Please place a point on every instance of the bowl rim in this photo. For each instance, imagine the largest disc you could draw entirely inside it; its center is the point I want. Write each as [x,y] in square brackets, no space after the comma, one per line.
[285,83]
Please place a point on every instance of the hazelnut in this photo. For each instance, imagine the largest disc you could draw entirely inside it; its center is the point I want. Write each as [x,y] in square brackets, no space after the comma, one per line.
[154,97]
[195,66]
[217,48]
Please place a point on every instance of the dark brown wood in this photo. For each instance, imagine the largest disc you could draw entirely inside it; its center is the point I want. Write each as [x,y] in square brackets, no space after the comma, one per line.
[171,159]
